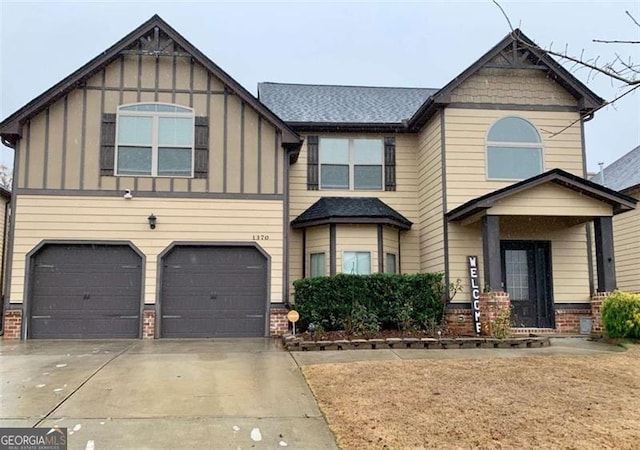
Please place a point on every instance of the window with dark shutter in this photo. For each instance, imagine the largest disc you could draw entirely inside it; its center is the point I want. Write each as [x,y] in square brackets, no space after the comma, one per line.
[154,139]
[107,144]
[312,163]
[390,164]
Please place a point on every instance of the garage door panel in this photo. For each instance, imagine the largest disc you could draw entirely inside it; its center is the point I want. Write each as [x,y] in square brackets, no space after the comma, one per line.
[214,291]
[85,290]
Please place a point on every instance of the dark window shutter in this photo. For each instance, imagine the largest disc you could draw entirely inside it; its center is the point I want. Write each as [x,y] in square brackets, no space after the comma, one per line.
[107,144]
[312,163]
[201,148]
[390,164]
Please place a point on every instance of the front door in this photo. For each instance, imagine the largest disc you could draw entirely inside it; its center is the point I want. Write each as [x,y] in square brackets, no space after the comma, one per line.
[526,272]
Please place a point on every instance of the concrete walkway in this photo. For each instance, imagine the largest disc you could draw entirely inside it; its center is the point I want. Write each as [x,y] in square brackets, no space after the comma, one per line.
[559,346]
[236,394]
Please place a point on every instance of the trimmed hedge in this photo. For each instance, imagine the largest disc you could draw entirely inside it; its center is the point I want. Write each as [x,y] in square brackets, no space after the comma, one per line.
[621,315]
[367,303]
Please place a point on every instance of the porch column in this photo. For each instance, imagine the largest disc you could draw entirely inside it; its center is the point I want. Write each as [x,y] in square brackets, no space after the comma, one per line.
[491,253]
[605,262]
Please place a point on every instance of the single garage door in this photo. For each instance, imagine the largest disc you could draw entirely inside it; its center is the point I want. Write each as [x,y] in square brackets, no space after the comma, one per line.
[85,291]
[214,291]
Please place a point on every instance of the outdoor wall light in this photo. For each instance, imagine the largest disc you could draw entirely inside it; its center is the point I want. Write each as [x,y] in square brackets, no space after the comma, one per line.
[152,221]
[127,194]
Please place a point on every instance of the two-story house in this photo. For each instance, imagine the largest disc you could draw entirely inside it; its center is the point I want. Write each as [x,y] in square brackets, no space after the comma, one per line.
[155,197]
[624,175]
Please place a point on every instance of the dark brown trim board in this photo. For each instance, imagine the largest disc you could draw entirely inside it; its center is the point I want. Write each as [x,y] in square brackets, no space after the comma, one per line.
[332,249]
[148,194]
[380,235]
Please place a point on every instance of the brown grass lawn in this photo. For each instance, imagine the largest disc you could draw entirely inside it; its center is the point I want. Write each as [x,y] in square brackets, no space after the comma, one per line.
[577,402]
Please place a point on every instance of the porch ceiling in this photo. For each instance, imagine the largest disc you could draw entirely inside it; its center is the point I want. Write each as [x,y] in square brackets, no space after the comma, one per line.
[554,193]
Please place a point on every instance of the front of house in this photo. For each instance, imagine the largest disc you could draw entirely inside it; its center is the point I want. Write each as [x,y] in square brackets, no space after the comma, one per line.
[156,197]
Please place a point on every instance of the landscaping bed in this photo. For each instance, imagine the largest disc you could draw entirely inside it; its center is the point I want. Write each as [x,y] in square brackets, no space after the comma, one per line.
[345,342]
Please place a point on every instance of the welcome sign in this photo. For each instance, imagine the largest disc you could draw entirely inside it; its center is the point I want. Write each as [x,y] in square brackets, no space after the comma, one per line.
[474,281]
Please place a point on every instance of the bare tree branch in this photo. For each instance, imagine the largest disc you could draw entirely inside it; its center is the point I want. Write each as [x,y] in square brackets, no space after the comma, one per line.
[604,41]
[632,18]
[607,103]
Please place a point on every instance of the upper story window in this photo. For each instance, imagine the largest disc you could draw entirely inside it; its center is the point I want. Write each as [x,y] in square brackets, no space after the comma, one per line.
[514,150]
[155,139]
[355,164]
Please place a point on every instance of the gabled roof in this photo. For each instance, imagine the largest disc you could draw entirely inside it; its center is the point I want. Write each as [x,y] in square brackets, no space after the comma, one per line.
[10,127]
[587,99]
[351,210]
[333,108]
[622,174]
[326,105]
[618,201]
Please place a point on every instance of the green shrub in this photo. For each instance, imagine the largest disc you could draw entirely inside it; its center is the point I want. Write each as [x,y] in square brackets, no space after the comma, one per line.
[621,315]
[366,303]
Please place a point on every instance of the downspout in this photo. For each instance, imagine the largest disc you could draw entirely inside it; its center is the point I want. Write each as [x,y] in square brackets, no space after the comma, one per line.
[8,232]
[290,152]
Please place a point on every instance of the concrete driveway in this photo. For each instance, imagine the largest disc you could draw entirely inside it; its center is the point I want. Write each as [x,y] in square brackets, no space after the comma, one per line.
[235,393]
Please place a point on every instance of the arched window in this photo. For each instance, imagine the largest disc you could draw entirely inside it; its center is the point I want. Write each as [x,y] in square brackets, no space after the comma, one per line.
[514,150]
[155,139]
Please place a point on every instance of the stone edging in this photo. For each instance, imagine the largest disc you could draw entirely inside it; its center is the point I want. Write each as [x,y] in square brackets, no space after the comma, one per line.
[296,344]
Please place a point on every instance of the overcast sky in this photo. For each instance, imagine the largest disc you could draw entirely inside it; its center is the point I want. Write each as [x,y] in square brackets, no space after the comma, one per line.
[416,44]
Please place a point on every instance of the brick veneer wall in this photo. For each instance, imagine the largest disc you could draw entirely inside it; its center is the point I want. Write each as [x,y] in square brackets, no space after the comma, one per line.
[491,305]
[596,312]
[568,320]
[12,324]
[149,324]
[457,327]
[278,323]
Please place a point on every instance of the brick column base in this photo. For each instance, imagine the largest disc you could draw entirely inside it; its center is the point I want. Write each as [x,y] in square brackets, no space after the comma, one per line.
[459,322]
[568,320]
[12,324]
[149,324]
[492,304]
[278,323]
[596,312]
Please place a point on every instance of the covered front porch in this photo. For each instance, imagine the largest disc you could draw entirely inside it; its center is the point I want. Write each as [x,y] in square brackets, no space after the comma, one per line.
[540,241]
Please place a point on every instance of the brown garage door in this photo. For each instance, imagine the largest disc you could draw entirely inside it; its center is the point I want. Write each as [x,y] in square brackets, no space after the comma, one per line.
[85,291]
[213,291]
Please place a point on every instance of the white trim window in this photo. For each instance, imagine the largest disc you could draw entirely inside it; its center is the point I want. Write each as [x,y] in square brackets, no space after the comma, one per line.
[356,263]
[390,265]
[354,163]
[154,139]
[317,265]
[514,150]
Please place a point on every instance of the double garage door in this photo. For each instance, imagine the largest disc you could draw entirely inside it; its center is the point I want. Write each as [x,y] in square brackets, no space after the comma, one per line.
[95,291]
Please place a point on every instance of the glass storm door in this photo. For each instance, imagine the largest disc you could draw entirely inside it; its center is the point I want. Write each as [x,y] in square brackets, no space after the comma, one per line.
[526,272]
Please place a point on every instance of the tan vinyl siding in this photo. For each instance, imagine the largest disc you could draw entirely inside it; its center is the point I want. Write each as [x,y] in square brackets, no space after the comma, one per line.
[80,168]
[552,200]
[389,245]
[358,238]
[430,197]
[116,219]
[626,233]
[402,200]
[317,242]
[568,253]
[512,86]
[465,136]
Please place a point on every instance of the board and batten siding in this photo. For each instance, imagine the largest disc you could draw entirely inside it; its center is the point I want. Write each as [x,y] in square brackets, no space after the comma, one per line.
[60,147]
[72,218]
[465,137]
[403,200]
[569,254]
[430,197]
[627,248]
